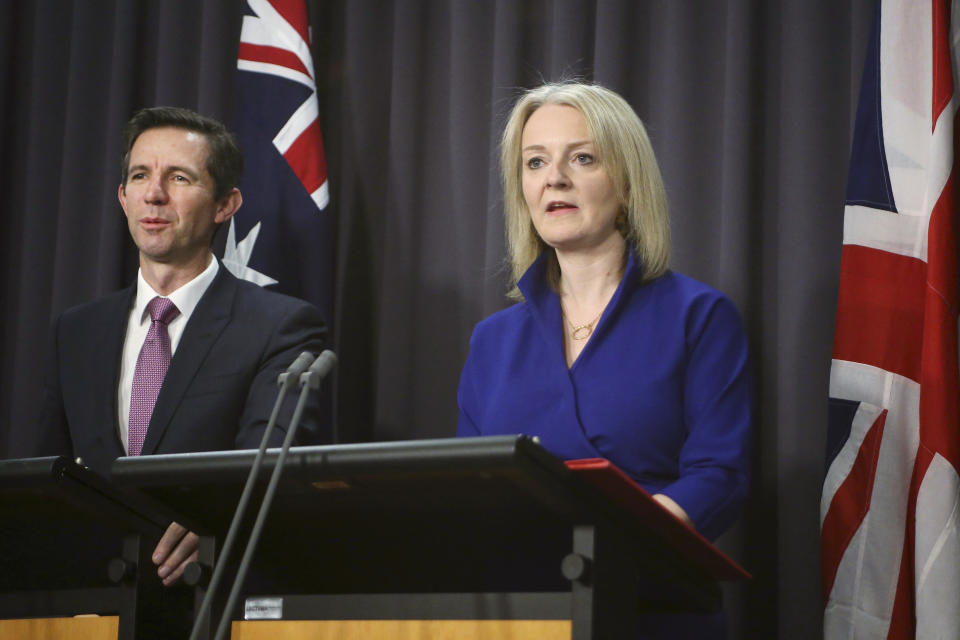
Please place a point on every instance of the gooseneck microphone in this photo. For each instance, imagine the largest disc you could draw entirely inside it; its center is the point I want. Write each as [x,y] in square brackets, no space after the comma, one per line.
[286,380]
[309,381]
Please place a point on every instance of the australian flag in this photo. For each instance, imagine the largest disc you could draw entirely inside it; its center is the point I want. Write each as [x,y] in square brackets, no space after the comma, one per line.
[890,508]
[281,236]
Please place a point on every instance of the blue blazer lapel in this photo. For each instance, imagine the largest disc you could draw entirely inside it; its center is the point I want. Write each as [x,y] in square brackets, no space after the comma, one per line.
[211,315]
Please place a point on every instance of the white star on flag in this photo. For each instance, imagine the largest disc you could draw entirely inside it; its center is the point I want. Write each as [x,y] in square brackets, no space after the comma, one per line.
[236,255]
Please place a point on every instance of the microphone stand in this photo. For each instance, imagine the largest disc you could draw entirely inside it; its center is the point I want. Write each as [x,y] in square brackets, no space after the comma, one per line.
[309,381]
[286,380]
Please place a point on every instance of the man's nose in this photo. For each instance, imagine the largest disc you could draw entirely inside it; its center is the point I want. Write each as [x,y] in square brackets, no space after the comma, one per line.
[156,191]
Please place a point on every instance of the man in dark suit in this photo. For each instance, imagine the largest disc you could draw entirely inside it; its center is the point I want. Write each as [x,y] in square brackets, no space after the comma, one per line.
[187,359]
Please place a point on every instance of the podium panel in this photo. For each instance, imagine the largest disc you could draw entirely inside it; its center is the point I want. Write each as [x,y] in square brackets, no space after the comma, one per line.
[85,628]
[406,629]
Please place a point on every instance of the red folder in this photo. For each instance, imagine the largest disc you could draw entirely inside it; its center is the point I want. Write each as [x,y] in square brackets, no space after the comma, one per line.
[627,494]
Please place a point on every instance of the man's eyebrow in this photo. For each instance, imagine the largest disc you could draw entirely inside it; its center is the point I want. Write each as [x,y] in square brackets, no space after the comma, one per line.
[171,169]
[187,170]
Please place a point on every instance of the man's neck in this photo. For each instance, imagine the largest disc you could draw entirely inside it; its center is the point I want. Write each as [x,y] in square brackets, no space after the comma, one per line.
[166,278]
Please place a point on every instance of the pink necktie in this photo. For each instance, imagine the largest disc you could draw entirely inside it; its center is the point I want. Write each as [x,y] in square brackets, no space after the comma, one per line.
[148,375]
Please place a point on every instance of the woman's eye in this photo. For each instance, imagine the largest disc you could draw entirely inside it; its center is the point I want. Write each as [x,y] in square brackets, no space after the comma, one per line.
[584,158]
[534,163]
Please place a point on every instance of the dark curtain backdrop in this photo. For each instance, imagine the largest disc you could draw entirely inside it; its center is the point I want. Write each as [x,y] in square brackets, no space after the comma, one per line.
[749,104]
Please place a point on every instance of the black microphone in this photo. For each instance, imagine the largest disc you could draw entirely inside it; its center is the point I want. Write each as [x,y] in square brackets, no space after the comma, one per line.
[286,380]
[309,380]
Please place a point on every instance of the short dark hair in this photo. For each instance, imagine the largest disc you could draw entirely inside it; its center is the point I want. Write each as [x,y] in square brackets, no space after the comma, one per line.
[224,161]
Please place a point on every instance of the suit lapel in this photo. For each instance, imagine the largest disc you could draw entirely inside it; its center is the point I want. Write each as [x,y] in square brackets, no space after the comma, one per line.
[110,333]
[209,318]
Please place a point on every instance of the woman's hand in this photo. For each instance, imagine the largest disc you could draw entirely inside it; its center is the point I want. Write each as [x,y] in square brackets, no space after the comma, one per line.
[676,510]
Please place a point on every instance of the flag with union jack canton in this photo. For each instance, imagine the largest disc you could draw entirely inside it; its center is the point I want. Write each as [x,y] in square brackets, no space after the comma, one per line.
[281,236]
[890,508]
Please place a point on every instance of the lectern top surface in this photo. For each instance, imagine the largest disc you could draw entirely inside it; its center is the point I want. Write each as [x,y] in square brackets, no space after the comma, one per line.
[507,475]
[492,453]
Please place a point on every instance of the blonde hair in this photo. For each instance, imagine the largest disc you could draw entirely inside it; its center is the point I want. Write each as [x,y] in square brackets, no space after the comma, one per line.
[624,151]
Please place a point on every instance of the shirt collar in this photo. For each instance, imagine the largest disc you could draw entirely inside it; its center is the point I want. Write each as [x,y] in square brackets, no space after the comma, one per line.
[185,298]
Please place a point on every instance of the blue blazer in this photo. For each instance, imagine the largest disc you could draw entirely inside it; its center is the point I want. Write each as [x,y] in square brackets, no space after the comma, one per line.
[662,389]
[218,392]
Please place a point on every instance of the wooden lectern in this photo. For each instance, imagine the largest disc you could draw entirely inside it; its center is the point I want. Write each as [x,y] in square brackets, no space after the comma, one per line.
[71,544]
[444,538]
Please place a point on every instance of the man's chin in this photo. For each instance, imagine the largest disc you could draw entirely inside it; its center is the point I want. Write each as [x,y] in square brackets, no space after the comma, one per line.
[166,256]
[155,253]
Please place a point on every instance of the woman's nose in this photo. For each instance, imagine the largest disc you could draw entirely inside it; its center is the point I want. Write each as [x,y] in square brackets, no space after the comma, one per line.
[557,176]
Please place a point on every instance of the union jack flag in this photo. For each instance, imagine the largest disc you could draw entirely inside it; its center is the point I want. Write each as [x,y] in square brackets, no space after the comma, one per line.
[281,236]
[890,508]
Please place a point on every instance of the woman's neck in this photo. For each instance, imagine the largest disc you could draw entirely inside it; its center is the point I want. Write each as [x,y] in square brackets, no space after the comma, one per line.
[587,284]
[588,280]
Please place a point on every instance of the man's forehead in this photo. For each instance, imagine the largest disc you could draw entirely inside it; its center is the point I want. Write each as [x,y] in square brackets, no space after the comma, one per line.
[170,143]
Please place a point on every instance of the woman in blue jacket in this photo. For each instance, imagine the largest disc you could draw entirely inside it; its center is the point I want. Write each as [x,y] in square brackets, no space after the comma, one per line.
[609,353]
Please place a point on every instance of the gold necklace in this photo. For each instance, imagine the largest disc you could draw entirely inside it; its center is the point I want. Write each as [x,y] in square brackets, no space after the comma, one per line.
[583,331]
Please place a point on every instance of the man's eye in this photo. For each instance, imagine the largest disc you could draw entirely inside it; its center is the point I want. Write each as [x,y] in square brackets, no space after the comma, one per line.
[179,178]
[534,163]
